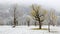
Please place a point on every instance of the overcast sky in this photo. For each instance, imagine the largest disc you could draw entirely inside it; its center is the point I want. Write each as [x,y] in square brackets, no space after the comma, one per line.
[49,3]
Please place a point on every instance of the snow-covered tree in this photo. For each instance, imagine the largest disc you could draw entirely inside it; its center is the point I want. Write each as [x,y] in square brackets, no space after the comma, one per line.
[52,18]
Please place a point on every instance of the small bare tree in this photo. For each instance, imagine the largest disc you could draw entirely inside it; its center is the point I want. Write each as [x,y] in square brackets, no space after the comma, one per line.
[28,18]
[52,18]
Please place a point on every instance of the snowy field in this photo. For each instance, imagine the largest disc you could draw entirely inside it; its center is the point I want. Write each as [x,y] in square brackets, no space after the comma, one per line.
[28,30]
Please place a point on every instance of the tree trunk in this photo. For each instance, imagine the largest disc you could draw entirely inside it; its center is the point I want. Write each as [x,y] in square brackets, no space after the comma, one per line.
[28,23]
[14,22]
[35,23]
[39,25]
[49,27]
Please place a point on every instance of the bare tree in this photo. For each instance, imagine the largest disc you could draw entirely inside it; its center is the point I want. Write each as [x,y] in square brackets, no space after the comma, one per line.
[52,18]
[37,14]
[28,18]
[15,21]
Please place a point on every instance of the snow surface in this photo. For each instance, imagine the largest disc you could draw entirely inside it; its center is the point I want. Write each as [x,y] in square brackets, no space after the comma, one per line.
[28,30]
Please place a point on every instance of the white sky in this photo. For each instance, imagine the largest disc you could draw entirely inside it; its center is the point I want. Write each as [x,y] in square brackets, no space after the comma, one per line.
[49,3]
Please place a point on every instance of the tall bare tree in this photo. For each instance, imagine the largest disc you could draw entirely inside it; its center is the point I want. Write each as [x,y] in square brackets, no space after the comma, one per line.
[37,14]
[15,21]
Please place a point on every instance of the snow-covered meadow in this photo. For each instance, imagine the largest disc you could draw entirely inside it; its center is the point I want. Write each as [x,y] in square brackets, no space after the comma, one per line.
[28,30]
[23,14]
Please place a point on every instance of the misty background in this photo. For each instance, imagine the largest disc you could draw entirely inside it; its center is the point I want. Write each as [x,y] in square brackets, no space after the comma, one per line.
[23,10]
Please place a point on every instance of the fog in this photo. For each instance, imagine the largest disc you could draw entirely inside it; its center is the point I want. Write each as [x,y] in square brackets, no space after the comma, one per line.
[23,10]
